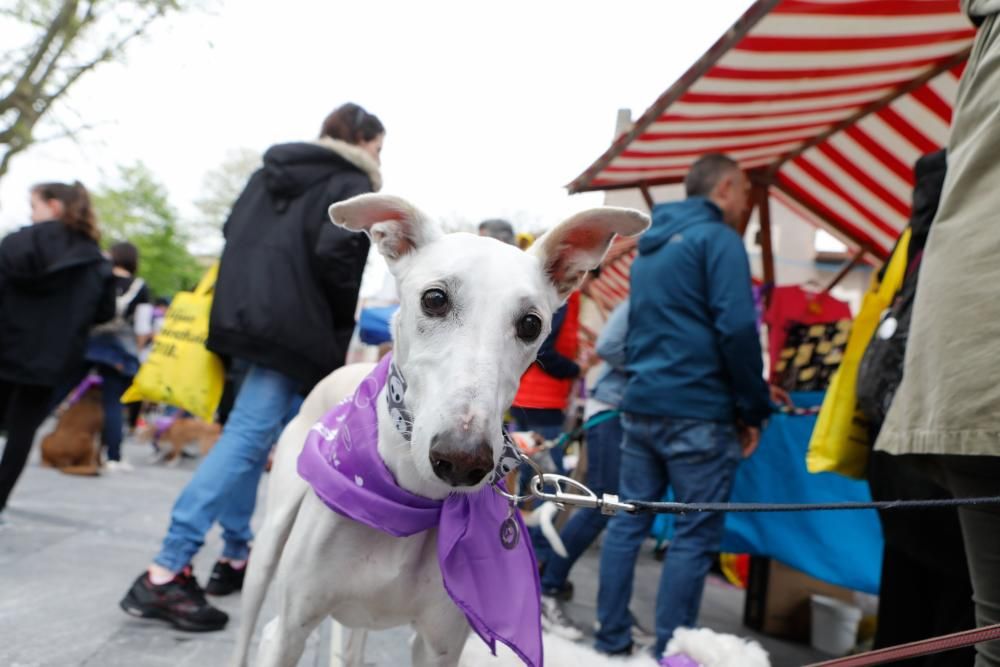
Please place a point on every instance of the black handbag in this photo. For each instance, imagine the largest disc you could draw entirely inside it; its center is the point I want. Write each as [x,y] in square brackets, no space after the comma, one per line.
[881,368]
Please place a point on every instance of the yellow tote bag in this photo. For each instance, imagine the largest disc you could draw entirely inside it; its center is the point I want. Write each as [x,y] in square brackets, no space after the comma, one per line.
[180,370]
[839,441]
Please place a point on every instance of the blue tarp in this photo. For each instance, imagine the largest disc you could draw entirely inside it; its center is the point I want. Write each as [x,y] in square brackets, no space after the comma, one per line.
[840,547]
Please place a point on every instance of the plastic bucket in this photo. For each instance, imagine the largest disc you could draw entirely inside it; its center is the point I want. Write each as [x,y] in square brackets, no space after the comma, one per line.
[834,625]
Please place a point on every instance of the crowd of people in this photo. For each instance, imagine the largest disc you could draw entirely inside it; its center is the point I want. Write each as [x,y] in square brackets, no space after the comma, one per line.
[679,399]
[54,271]
[286,345]
[69,309]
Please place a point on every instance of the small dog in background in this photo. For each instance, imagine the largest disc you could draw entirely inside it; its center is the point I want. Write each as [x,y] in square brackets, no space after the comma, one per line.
[74,447]
[178,432]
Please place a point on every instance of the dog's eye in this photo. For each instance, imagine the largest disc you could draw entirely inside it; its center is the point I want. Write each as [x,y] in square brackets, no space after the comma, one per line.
[434,302]
[529,327]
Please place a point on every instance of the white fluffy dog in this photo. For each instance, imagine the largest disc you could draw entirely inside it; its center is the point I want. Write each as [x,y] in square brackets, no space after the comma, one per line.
[703,646]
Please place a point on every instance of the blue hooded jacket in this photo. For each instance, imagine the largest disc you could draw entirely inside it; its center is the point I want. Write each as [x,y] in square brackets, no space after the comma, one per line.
[611,348]
[693,350]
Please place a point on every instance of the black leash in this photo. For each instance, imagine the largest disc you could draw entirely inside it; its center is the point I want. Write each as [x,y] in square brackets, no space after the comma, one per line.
[643,507]
[563,490]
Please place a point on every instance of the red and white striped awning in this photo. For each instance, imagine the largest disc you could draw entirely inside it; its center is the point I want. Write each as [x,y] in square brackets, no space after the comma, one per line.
[828,101]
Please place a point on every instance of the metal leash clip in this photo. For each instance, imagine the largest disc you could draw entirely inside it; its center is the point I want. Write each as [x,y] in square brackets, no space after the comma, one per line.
[514,498]
[608,503]
[538,472]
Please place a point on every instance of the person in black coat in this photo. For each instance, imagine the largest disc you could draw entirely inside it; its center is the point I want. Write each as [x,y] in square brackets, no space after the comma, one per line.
[283,308]
[925,589]
[54,285]
[289,278]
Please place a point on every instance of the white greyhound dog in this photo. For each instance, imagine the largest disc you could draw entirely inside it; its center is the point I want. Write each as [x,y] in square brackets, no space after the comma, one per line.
[473,313]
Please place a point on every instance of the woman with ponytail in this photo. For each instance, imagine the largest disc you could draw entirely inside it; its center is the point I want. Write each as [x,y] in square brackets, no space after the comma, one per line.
[54,286]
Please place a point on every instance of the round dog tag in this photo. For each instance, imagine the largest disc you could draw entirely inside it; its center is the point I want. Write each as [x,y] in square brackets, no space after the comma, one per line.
[509,533]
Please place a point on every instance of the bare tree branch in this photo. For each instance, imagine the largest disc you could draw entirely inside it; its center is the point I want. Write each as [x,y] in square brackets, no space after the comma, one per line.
[67,40]
[106,55]
[66,14]
[72,133]
[35,81]
[5,162]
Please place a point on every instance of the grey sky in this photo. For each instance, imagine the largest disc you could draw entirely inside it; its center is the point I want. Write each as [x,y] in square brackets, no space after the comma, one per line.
[491,108]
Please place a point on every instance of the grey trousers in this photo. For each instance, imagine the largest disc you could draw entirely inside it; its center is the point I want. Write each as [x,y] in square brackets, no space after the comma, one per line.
[976,476]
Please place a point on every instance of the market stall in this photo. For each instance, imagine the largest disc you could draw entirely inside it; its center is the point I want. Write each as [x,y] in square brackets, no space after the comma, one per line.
[827,105]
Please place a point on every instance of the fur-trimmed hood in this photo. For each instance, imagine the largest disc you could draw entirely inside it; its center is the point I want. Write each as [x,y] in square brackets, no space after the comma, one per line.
[280,242]
[291,169]
[356,156]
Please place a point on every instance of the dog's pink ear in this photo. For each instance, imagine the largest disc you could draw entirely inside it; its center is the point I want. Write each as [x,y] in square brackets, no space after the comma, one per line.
[578,244]
[395,226]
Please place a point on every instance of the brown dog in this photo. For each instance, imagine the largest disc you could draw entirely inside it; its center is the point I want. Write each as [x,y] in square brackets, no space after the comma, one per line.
[74,447]
[178,434]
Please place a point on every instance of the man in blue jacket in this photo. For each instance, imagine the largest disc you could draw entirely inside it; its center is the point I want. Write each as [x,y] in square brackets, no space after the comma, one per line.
[695,397]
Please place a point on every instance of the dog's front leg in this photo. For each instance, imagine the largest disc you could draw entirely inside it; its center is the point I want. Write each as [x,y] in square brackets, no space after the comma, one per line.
[354,647]
[283,640]
[441,634]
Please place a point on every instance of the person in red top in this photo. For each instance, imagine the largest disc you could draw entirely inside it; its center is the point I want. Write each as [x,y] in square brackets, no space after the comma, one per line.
[541,400]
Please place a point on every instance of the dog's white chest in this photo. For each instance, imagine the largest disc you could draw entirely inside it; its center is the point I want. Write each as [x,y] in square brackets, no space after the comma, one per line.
[381,581]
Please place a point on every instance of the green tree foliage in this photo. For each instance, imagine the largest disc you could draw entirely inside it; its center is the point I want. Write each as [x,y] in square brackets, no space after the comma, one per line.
[48,45]
[137,210]
[222,185]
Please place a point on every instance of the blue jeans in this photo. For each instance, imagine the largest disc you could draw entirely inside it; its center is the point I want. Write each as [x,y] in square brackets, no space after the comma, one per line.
[698,460]
[604,442]
[224,487]
[113,385]
[546,423]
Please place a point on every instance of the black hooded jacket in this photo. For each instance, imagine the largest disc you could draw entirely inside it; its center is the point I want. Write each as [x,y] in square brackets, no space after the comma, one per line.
[289,279]
[54,286]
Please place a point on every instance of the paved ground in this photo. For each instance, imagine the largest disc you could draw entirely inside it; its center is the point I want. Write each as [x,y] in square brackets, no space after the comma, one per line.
[71,546]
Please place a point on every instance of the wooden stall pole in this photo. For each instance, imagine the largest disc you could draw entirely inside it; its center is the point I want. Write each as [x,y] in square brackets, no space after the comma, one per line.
[762,199]
[746,219]
[644,187]
[847,269]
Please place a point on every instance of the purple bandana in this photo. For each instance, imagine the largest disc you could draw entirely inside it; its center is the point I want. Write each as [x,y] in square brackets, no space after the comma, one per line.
[497,589]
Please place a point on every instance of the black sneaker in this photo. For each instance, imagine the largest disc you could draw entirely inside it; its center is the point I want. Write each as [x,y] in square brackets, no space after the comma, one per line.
[225,579]
[564,594]
[180,602]
[629,650]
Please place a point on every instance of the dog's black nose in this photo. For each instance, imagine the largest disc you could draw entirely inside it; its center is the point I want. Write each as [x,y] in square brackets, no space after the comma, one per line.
[460,463]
